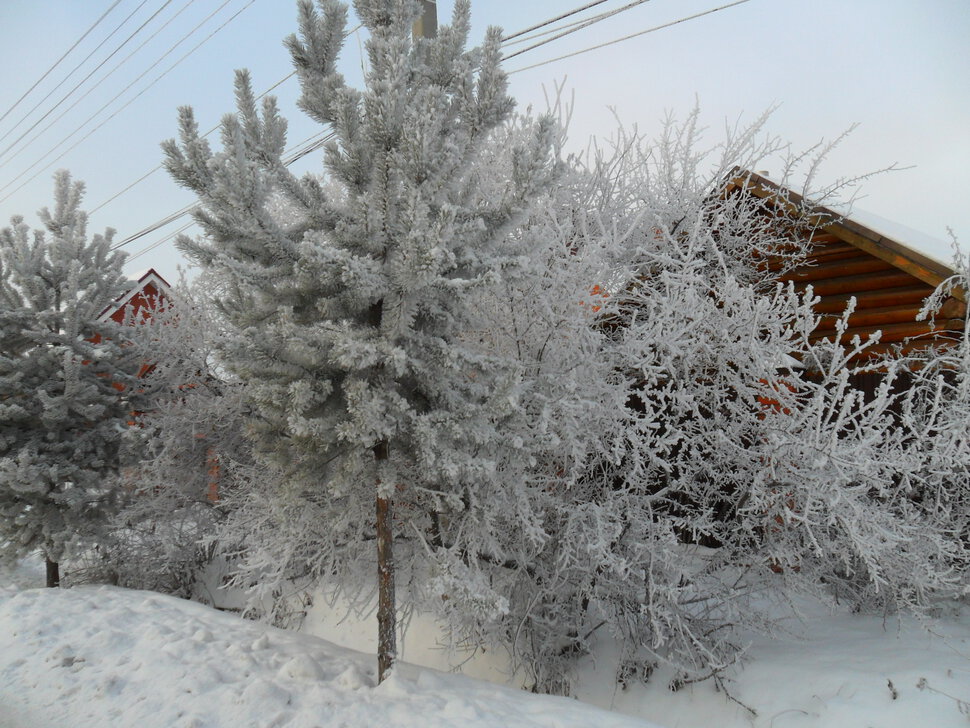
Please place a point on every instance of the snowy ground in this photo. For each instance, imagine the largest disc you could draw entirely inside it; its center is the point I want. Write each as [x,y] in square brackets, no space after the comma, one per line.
[102,656]
[841,671]
[94,657]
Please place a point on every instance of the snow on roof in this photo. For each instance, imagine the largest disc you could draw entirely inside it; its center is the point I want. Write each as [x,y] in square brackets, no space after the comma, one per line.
[145,278]
[939,250]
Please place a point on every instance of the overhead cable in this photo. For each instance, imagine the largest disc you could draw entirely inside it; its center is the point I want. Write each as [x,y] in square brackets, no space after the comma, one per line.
[102,80]
[83,80]
[548,31]
[59,60]
[577,27]
[127,103]
[628,37]
[308,145]
[115,97]
[543,24]
[160,242]
[75,69]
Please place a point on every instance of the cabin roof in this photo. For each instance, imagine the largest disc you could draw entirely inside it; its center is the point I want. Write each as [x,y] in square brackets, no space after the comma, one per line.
[899,246]
[147,279]
[853,255]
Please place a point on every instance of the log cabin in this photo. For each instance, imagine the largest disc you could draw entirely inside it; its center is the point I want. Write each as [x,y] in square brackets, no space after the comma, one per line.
[888,276]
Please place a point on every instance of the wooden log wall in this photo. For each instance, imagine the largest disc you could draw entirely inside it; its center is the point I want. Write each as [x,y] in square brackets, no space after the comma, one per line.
[888,280]
[887,299]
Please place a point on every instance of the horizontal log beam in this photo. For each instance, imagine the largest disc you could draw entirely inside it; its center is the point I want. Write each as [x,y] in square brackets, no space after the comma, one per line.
[953,308]
[842,250]
[849,253]
[873,317]
[898,332]
[837,269]
[907,349]
[860,283]
[874,299]
[819,237]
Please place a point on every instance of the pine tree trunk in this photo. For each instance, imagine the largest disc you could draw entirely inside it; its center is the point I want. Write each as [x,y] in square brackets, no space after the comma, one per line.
[53,573]
[386,608]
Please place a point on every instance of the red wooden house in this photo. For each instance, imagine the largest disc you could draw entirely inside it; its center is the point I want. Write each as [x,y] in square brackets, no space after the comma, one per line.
[149,292]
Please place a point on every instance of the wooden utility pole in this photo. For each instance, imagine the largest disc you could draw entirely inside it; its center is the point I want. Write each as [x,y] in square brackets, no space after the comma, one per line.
[424,27]
[427,25]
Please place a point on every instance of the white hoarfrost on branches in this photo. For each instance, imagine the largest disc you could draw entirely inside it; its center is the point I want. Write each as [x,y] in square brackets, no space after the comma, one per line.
[732,460]
[62,375]
[693,454]
[183,455]
[351,315]
[592,407]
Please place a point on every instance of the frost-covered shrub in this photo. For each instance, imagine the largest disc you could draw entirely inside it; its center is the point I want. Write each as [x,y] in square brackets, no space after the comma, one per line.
[691,456]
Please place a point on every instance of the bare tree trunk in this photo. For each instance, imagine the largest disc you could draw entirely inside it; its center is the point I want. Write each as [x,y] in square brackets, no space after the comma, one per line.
[386,608]
[53,573]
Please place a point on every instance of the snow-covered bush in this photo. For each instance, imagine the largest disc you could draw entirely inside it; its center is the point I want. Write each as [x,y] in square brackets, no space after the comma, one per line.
[182,456]
[729,460]
[939,413]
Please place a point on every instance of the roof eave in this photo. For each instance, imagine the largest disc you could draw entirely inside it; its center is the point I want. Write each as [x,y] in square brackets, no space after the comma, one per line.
[898,254]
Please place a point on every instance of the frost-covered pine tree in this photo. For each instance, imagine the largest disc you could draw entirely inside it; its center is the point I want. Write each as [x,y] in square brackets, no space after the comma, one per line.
[352,309]
[60,368]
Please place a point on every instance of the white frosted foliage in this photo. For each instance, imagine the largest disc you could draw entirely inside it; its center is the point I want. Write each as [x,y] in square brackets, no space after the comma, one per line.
[351,296]
[61,413]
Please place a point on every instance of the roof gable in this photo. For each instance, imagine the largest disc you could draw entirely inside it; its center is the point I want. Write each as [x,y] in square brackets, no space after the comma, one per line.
[145,294]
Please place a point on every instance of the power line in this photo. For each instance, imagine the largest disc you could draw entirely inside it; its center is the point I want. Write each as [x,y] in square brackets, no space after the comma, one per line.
[310,145]
[628,37]
[116,96]
[543,24]
[310,148]
[75,69]
[59,60]
[172,217]
[102,80]
[541,33]
[127,103]
[577,27]
[160,242]
[82,81]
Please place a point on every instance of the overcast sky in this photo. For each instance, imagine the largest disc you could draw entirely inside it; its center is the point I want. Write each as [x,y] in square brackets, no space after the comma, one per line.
[900,69]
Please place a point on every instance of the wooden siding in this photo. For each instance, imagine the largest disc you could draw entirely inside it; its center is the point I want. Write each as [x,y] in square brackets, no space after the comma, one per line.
[888,280]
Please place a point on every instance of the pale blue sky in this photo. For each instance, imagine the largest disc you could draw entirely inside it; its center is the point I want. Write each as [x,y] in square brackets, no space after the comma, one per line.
[899,68]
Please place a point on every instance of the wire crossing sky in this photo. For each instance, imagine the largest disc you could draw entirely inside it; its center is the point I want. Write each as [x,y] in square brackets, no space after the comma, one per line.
[899,70]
